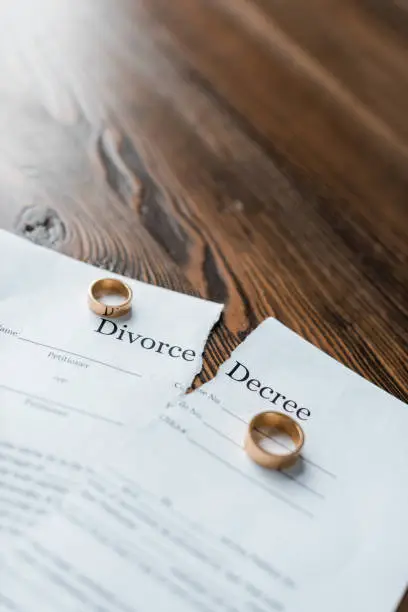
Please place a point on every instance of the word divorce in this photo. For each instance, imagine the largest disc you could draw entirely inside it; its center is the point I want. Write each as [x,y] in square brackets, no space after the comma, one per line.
[123,334]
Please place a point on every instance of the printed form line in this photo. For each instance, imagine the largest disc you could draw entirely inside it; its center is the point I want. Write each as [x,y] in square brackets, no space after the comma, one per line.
[60,404]
[281,473]
[61,350]
[253,480]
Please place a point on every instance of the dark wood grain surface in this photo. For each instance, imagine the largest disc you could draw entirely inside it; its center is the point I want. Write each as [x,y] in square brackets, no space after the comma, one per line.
[252,152]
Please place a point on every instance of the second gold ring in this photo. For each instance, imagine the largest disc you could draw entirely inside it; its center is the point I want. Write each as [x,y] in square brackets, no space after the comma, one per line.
[256,432]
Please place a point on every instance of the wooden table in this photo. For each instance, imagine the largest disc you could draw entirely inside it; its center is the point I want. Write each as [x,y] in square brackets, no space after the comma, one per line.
[252,152]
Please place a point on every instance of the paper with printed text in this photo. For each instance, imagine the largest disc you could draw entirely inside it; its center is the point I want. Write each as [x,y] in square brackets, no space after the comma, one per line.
[73,384]
[200,527]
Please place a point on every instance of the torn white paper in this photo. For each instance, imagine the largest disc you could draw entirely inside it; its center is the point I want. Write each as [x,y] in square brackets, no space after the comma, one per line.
[43,302]
[72,384]
[200,527]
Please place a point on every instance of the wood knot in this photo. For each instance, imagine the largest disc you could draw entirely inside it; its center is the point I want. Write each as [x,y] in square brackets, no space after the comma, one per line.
[41,225]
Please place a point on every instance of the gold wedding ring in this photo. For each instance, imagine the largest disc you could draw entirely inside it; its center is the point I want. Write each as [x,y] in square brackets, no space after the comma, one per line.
[109,286]
[256,432]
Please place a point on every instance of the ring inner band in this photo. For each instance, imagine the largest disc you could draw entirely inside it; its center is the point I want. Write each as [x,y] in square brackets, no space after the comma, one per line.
[281,423]
[277,421]
[110,286]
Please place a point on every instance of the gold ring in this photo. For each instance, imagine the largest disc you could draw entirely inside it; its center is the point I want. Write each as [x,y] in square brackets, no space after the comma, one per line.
[109,286]
[256,431]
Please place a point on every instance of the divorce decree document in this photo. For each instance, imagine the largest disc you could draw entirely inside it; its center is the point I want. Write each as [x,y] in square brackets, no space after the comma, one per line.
[73,384]
[183,520]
